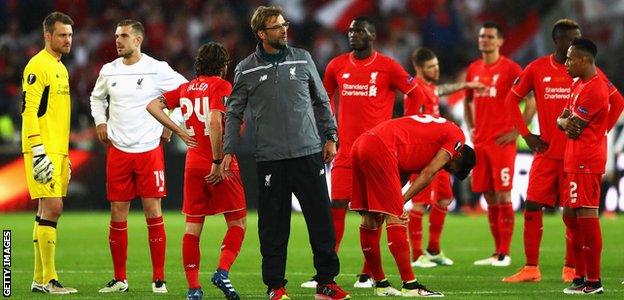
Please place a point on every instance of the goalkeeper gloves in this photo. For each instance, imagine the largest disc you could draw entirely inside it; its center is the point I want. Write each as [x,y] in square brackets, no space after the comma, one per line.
[42,166]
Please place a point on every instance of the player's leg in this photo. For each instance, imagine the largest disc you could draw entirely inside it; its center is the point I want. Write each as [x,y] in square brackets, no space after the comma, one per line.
[51,209]
[341,177]
[482,183]
[503,161]
[370,239]
[37,285]
[157,242]
[415,233]
[120,190]
[230,247]
[568,271]
[397,242]
[191,254]
[437,216]
[570,219]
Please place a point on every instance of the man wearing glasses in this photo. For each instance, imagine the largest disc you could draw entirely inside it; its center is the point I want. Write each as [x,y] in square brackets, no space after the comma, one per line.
[287,100]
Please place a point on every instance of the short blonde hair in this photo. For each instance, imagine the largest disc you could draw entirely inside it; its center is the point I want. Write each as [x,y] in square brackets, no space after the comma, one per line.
[261,15]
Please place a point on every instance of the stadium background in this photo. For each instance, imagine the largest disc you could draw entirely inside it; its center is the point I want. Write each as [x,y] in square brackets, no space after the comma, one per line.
[175,29]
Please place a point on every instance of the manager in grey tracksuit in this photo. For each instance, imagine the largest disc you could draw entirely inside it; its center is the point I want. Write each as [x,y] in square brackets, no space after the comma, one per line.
[284,93]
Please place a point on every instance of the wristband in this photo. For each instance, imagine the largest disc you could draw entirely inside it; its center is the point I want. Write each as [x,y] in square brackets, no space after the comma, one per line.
[217,161]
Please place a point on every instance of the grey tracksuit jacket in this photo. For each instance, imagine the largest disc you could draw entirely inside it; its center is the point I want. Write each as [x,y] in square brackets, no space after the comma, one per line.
[286,100]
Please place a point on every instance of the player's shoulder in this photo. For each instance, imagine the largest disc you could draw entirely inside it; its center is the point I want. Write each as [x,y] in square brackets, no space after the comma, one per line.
[539,63]
[218,82]
[510,62]
[340,59]
[38,60]
[110,66]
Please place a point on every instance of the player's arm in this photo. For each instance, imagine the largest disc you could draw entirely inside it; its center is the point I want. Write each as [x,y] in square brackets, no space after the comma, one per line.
[156,109]
[99,104]
[616,105]
[427,174]
[322,110]
[216,141]
[564,119]
[34,86]
[469,114]
[449,88]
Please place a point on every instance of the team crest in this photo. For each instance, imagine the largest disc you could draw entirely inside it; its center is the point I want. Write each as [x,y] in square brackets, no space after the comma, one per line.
[31,78]
[225,100]
[373,77]
[139,82]
[292,73]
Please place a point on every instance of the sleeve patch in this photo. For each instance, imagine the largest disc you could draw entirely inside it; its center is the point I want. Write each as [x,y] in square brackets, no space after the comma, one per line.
[583,110]
[458,145]
[31,78]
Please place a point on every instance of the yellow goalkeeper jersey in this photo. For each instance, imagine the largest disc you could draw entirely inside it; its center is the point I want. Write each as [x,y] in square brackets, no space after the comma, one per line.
[46,106]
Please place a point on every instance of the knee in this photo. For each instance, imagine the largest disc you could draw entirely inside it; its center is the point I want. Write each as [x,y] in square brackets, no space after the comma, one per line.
[418,208]
[371,221]
[444,203]
[503,197]
[242,223]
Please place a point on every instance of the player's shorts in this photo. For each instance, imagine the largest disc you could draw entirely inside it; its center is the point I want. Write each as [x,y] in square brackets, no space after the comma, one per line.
[341,180]
[135,174]
[547,185]
[376,181]
[55,188]
[438,189]
[582,190]
[203,199]
[495,167]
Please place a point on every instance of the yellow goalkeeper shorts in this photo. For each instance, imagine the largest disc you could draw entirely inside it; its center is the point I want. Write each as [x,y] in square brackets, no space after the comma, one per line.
[55,188]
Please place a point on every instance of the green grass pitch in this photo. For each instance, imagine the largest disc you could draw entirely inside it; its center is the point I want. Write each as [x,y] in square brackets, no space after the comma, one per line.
[83,259]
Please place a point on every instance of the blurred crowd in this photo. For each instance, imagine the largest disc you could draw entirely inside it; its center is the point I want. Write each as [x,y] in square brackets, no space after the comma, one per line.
[175,29]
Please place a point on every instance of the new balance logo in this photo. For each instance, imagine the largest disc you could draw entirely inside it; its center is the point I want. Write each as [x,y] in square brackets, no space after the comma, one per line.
[267,180]
[547,79]
[263,78]
[346,75]
[321,172]
[191,266]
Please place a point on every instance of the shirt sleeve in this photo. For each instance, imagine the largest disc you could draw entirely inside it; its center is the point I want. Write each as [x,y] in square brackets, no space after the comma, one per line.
[219,95]
[168,79]
[235,108]
[330,84]
[523,84]
[172,98]
[400,79]
[320,101]
[98,101]
[588,104]
[34,84]
[453,140]
[413,102]
[616,105]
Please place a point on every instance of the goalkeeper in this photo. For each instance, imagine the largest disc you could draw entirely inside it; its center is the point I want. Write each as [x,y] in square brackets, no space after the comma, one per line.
[45,142]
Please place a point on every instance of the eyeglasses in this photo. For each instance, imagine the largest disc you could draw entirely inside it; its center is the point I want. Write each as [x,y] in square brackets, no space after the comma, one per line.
[278,26]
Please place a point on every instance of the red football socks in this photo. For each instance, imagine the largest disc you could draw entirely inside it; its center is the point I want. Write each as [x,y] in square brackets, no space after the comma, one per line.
[338,216]
[399,247]
[577,245]
[157,244]
[231,246]
[436,224]
[590,231]
[415,233]
[118,242]
[505,226]
[533,229]
[493,212]
[369,241]
[191,257]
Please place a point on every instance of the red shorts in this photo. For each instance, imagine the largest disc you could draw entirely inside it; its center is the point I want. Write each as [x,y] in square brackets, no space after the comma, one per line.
[438,189]
[376,181]
[341,179]
[546,181]
[495,167]
[203,199]
[582,190]
[135,174]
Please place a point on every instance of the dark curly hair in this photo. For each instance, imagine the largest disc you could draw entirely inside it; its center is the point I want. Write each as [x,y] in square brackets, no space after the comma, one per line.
[211,58]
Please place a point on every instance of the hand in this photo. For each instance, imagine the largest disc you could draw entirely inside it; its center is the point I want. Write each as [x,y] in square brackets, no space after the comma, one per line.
[70,169]
[507,137]
[329,151]
[405,216]
[102,133]
[572,129]
[165,137]
[471,132]
[188,140]
[225,165]
[215,175]
[475,85]
[535,142]
[42,166]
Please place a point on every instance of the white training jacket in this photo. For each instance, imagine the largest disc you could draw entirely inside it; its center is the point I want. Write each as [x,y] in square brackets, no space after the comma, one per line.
[130,88]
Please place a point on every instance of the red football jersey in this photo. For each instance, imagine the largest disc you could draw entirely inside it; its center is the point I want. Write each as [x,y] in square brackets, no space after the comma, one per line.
[416,139]
[490,114]
[552,87]
[366,90]
[589,101]
[427,102]
[196,98]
